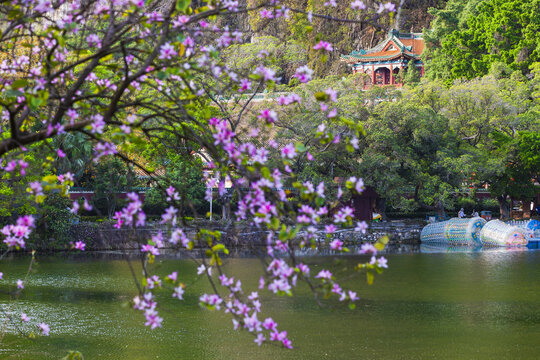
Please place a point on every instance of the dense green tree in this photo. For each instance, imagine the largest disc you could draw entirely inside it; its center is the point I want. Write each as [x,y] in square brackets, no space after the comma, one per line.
[417,148]
[450,18]
[110,178]
[53,222]
[495,30]
[425,144]
[185,176]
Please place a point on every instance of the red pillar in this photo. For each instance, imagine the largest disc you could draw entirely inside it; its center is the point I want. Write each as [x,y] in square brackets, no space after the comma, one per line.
[392,75]
[372,74]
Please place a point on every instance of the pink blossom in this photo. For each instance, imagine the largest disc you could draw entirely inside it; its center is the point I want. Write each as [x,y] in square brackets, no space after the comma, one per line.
[60,153]
[361,226]
[354,142]
[180,21]
[26,220]
[231,5]
[304,269]
[260,339]
[269,115]
[388,7]
[44,329]
[324,274]
[288,151]
[150,249]
[382,262]
[79,245]
[323,45]
[172,194]
[266,14]
[87,205]
[153,282]
[202,268]
[358,5]
[266,73]
[289,99]
[23,164]
[43,6]
[75,208]
[336,245]
[10,166]
[343,214]
[97,125]
[303,74]
[20,284]
[178,292]
[173,276]
[93,40]
[167,51]
[25,317]
[211,300]
[368,249]
[169,215]
[353,296]
[245,84]
[152,318]
[72,115]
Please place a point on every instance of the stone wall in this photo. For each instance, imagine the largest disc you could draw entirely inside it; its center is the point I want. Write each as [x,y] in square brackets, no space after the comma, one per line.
[104,236]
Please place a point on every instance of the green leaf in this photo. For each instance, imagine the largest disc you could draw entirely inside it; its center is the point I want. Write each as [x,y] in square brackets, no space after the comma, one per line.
[321,96]
[218,247]
[274,222]
[265,172]
[182,5]
[17,84]
[370,277]
[34,102]
[13,93]
[161,75]
[300,147]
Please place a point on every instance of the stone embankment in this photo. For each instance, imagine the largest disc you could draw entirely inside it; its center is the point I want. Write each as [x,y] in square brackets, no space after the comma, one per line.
[104,236]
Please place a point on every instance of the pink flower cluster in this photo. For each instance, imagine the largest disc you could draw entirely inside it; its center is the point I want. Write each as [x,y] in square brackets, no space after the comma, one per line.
[18,233]
[147,304]
[245,313]
[270,116]
[12,166]
[303,74]
[132,214]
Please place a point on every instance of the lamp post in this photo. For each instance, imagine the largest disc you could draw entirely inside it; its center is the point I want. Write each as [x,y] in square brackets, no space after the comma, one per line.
[211,201]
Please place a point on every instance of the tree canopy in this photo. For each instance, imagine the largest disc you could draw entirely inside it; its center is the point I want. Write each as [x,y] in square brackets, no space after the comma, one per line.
[469,36]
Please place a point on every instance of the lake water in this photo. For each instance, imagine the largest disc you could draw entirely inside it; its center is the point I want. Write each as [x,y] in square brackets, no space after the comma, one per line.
[435,304]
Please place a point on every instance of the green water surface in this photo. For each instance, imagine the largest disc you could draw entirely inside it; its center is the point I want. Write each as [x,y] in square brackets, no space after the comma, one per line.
[470,305]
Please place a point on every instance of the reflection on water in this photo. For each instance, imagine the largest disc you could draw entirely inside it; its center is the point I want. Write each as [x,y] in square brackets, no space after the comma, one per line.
[432,303]
[430,248]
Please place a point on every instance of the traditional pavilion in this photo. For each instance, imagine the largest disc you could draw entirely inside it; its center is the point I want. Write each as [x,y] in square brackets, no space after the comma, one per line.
[383,62]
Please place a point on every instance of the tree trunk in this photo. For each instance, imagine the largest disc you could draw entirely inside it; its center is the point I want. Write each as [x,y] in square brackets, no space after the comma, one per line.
[503,207]
[381,207]
[526,209]
[440,210]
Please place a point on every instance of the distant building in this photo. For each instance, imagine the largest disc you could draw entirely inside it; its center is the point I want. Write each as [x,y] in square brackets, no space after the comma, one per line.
[384,62]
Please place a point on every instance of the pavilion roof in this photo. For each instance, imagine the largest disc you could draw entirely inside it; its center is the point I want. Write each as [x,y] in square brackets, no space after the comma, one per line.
[396,45]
